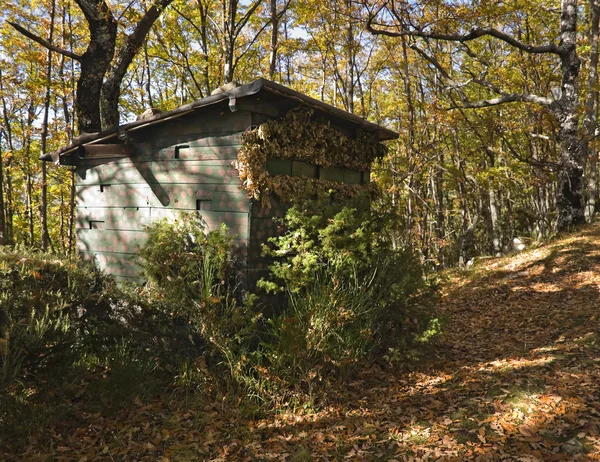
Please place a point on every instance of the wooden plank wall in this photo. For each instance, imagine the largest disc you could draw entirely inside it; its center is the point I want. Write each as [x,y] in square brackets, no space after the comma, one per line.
[184,164]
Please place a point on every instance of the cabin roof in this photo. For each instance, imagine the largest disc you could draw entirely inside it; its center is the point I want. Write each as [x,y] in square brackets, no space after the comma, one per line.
[286,97]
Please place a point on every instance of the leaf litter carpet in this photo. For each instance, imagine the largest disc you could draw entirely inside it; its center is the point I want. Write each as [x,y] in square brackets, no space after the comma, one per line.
[516,377]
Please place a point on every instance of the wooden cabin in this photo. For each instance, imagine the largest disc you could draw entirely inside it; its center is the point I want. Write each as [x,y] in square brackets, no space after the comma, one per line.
[186,159]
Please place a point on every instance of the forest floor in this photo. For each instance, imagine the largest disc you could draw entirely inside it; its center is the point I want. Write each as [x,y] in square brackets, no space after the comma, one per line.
[515,377]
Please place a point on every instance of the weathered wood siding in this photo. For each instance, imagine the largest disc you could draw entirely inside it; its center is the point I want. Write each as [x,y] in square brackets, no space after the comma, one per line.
[184,164]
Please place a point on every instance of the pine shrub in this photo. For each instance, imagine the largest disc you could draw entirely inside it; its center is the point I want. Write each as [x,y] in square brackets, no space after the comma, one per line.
[352,297]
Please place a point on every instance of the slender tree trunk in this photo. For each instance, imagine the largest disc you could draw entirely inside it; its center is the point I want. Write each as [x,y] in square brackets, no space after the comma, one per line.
[27,133]
[274,40]
[148,85]
[3,223]
[409,210]
[464,239]
[44,190]
[62,223]
[350,58]
[288,61]
[494,212]
[71,231]
[7,208]
[3,239]
[590,119]
[229,26]
[203,8]
[439,207]
[67,86]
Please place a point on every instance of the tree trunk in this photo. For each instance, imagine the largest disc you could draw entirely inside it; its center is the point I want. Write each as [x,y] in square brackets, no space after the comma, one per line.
[67,86]
[203,9]
[569,198]
[467,231]
[274,40]
[439,208]
[148,85]
[350,59]
[96,104]
[44,191]
[95,62]
[8,201]
[288,61]
[71,231]
[3,221]
[493,211]
[27,135]
[3,240]
[590,119]
[229,38]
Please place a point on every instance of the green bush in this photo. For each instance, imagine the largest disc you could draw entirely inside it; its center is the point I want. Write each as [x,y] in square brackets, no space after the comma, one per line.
[351,296]
[193,272]
[47,304]
[61,326]
[185,261]
[320,233]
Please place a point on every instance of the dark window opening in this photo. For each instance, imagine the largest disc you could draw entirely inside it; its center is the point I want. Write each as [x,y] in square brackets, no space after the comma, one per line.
[178,149]
[96,224]
[365,177]
[289,167]
[203,204]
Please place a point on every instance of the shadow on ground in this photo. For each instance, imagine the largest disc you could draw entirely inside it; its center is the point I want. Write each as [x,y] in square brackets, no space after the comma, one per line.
[517,375]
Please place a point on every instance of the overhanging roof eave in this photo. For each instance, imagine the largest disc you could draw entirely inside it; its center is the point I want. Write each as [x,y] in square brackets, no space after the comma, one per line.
[253,88]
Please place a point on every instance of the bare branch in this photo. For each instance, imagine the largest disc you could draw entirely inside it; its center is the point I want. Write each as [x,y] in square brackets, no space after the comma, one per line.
[529,160]
[132,43]
[45,43]
[188,19]
[249,44]
[502,99]
[475,33]
[242,23]
[507,98]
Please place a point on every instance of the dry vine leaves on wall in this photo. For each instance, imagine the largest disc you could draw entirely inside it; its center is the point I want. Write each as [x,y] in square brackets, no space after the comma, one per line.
[300,136]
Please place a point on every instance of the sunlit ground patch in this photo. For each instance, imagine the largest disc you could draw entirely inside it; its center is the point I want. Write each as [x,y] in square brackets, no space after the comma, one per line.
[502,365]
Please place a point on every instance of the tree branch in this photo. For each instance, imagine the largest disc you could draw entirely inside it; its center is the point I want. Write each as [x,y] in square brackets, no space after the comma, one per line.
[475,33]
[529,160]
[506,98]
[133,42]
[502,99]
[242,23]
[45,43]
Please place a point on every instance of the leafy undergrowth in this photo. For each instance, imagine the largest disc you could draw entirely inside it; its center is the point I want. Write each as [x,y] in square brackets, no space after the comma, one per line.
[516,377]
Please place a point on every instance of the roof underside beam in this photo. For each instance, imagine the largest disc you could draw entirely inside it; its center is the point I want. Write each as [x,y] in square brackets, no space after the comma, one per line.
[107,151]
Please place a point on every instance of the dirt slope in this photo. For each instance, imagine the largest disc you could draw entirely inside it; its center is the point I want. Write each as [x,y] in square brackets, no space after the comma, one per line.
[517,377]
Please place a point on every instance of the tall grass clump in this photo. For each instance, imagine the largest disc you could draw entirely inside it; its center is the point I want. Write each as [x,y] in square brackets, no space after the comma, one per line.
[46,304]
